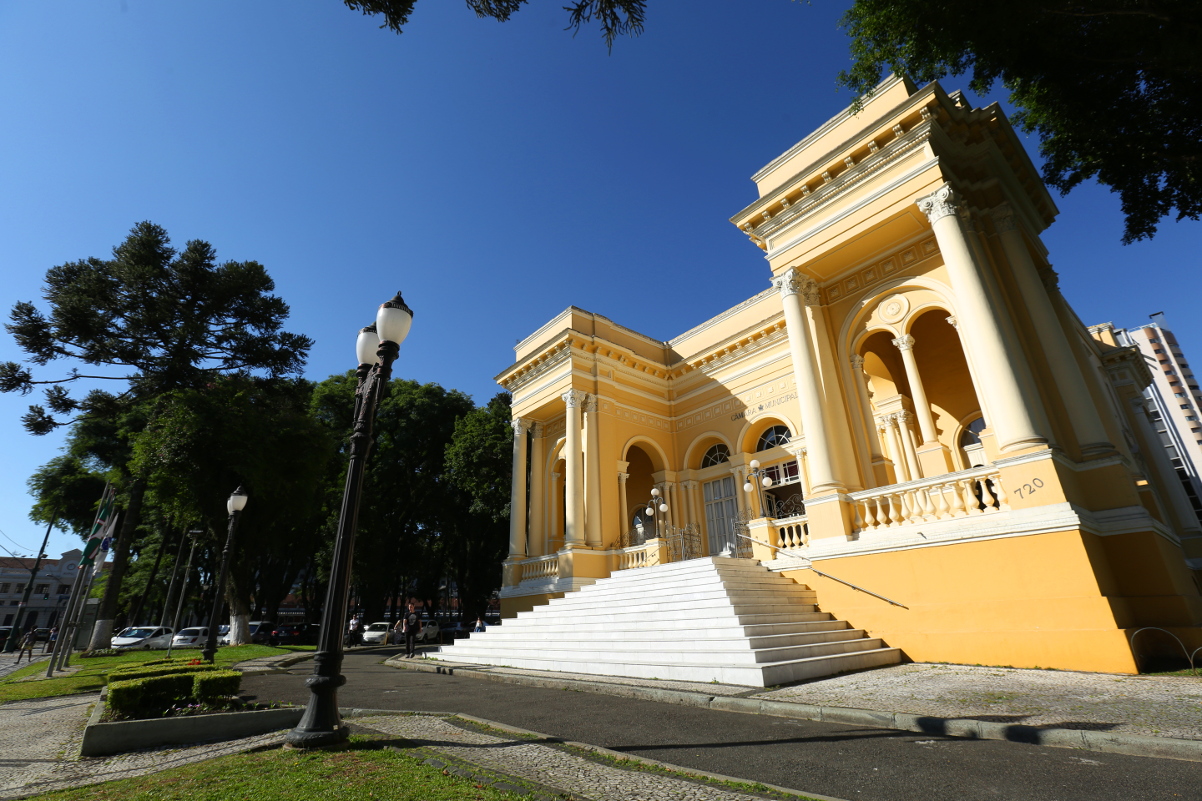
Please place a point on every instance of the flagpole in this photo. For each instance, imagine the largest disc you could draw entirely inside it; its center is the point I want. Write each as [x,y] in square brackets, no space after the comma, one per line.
[64,628]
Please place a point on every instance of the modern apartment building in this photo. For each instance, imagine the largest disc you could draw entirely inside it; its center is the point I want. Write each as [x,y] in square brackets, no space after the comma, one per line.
[1174,400]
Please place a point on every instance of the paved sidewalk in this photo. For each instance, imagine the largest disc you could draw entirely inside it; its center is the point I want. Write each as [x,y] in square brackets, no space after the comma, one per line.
[1157,716]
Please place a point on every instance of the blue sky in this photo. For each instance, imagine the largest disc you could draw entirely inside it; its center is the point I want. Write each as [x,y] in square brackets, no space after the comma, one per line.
[496,173]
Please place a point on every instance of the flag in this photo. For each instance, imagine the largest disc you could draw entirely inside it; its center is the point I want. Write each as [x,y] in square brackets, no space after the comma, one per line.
[102,529]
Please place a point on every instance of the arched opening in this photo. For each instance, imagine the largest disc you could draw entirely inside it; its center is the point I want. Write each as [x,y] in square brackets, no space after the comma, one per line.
[640,469]
[945,377]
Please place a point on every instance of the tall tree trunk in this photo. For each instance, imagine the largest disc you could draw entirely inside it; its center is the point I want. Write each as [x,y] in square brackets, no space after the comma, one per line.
[102,632]
[136,615]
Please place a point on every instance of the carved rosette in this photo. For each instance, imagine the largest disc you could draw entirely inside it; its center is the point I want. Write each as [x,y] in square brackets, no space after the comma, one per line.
[939,204]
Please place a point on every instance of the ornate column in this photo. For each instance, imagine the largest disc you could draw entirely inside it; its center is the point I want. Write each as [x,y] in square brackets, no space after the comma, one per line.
[905,433]
[553,521]
[886,425]
[690,500]
[1013,419]
[592,474]
[1082,411]
[517,495]
[573,534]
[794,287]
[536,525]
[876,468]
[933,456]
[625,508]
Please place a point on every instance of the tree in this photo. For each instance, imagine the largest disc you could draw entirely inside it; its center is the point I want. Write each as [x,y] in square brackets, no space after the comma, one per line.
[1113,88]
[616,17]
[153,320]
[479,466]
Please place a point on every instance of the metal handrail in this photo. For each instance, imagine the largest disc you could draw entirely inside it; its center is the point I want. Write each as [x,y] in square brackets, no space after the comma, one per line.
[824,575]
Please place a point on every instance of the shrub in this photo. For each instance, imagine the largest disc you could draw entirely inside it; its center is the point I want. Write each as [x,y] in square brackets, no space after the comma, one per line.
[152,693]
[215,684]
[100,652]
[140,672]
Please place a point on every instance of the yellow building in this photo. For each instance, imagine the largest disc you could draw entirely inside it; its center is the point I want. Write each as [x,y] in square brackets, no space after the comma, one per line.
[935,424]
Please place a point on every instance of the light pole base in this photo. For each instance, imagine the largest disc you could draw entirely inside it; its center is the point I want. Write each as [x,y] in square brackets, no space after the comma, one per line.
[318,740]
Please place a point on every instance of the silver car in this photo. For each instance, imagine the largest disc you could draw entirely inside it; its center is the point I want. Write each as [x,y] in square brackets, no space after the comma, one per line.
[144,637]
[191,638]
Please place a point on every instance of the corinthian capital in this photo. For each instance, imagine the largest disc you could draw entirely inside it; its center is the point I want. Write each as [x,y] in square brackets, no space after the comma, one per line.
[857,362]
[574,398]
[939,204]
[1003,217]
[904,342]
[521,425]
[590,404]
[793,282]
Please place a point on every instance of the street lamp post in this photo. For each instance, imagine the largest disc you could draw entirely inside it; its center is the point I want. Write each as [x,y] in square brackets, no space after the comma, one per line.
[235,505]
[376,348]
[655,507]
[756,479]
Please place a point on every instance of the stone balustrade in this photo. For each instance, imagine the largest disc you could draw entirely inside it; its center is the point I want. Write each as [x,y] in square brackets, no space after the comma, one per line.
[540,567]
[967,493]
[790,532]
[643,555]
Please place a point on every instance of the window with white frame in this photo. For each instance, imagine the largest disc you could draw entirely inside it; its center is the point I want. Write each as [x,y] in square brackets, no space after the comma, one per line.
[718,454]
[773,436]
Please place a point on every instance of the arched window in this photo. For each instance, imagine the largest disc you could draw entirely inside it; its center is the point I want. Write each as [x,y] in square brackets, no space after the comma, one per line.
[776,435]
[715,456]
[972,433]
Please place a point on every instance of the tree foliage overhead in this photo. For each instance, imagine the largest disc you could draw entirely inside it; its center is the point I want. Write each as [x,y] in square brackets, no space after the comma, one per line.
[616,17]
[1113,88]
[153,318]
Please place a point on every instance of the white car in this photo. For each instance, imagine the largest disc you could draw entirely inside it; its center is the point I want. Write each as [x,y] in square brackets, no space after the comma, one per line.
[376,634]
[191,638]
[145,637]
[429,632]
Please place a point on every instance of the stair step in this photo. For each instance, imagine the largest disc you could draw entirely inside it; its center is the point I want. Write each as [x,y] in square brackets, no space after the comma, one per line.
[716,618]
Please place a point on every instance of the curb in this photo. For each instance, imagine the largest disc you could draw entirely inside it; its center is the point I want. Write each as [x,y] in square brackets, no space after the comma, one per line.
[968,728]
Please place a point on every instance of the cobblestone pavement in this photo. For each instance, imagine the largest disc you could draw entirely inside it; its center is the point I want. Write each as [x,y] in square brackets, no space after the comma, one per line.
[1157,706]
[8,663]
[40,743]
[546,765]
[1160,706]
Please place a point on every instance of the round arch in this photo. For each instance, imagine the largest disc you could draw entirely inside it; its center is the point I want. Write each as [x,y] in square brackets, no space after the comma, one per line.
[751,430]
[659,459]
[702,443]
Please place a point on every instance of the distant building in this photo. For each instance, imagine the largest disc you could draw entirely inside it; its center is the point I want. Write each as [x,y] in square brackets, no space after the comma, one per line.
[1173,399]
[51,588]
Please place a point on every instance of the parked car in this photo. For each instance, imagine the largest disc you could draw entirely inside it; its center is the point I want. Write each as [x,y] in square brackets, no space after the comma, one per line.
[141,637]
[42,635]
[191,638]
[429,632]
[5,633]
[296,633]
[262,632]
[458,630]
[377,634]
[223,634]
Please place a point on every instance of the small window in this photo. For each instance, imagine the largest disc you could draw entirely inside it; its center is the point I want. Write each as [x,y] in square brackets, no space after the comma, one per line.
[972,433]
[63,589]
[4,587]
[42,588]
[774,436]
[716,455]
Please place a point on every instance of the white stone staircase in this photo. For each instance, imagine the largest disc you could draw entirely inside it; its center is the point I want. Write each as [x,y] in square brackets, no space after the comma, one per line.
[711,619]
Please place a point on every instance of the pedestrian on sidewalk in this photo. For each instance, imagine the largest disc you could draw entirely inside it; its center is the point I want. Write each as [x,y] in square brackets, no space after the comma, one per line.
[50,640]
[413,625]
[26,646]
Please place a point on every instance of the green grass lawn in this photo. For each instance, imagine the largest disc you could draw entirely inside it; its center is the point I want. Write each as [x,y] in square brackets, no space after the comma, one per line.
[364,772]
[93,672]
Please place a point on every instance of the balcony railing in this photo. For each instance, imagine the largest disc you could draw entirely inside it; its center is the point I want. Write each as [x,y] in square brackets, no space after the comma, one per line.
[968,493]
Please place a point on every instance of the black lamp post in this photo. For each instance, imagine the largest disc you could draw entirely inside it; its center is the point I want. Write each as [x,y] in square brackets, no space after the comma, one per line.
[377,348]
[235,505]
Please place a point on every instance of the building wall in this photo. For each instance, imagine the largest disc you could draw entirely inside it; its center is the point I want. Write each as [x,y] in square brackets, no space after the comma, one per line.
[963,445]
[54,575]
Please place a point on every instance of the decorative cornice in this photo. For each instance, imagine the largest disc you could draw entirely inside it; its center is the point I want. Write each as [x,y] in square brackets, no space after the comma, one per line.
[939,204]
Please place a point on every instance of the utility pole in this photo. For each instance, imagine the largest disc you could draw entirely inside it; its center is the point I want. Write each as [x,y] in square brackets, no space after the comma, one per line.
[15,634]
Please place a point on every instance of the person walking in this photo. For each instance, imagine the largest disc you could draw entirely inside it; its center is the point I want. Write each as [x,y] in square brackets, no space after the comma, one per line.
[413,625]
[26,646]
[51,640]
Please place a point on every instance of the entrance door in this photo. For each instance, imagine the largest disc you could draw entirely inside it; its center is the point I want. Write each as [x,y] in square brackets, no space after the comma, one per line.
[721,512]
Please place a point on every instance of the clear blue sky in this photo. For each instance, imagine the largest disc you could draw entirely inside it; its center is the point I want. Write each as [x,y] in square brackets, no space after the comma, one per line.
[496,173]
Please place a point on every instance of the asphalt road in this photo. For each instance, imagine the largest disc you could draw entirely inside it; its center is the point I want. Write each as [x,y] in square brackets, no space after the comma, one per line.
[850,762]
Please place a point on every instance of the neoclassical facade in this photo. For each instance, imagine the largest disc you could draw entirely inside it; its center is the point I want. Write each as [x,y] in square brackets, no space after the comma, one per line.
[909,418]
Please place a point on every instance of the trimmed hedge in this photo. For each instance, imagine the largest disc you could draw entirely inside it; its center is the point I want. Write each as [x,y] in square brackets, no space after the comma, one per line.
[216,684]
[155,693]
[140,672]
